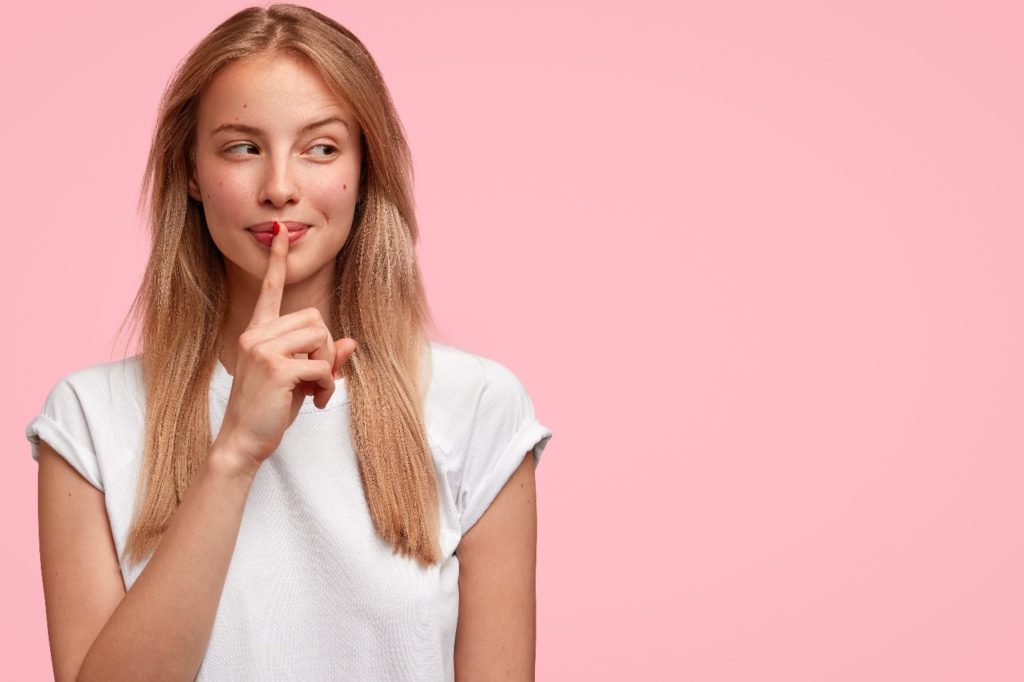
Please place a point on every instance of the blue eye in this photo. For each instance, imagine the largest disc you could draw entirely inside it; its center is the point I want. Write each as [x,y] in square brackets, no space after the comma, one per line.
[329,146]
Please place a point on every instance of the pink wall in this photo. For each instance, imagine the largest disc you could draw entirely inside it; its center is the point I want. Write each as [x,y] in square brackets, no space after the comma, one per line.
[758,264]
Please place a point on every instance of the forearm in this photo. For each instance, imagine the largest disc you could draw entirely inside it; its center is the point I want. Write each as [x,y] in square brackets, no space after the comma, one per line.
[162,627]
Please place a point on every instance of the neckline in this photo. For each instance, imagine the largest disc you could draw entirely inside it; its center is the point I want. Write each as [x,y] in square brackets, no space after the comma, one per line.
[221,382]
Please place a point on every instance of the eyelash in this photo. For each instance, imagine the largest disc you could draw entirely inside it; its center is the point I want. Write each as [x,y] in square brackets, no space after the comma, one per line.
[250,144]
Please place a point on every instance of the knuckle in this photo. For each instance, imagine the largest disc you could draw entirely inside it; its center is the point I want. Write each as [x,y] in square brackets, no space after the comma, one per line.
[275,366]
[261,354]
[245,341]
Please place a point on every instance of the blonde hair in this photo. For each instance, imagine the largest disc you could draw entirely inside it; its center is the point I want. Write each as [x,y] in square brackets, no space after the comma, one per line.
[377,297]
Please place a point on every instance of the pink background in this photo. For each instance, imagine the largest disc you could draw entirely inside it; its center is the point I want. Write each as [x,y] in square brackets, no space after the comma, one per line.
[758,264]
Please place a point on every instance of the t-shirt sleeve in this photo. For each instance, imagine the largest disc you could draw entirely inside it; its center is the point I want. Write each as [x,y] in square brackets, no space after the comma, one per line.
[62,424]
[504,429]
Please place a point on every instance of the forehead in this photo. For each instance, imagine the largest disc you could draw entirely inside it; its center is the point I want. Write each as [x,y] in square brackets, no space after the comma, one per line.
[268,88]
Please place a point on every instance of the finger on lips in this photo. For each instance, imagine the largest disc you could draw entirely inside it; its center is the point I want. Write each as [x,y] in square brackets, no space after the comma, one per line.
[268,305]
[268,309]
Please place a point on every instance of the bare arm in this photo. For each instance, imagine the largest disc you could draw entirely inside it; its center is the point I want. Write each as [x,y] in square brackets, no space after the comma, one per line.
[82,581]
[161,628]
[496,635]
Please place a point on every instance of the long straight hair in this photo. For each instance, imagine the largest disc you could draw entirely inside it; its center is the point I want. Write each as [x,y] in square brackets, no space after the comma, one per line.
[377,296]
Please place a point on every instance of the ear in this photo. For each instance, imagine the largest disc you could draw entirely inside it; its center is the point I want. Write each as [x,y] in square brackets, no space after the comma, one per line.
[193,191]
[193,186]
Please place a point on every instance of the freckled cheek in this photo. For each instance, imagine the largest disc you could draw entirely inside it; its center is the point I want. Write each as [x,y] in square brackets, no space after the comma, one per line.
[229,189]
[227,200]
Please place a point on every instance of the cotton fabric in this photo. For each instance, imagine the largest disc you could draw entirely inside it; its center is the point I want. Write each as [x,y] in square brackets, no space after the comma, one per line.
[312,593]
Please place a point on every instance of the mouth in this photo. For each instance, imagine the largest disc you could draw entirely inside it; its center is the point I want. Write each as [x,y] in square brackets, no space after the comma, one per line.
[269,226]
[296,231]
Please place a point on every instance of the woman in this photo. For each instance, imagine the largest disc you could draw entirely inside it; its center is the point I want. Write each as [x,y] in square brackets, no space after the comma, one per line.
[199,516]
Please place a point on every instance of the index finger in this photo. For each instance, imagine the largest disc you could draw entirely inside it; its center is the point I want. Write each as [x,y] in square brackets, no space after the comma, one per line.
[268,305]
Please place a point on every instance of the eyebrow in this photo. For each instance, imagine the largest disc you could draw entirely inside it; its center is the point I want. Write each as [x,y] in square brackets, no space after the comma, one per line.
[253,130]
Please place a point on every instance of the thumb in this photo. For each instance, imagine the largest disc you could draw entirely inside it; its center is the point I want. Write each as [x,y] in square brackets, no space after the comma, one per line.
[341,353]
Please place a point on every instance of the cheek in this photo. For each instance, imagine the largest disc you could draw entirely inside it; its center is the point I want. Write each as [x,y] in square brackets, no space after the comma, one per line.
[227,188]
[330,195]
[220,181]
[225,183]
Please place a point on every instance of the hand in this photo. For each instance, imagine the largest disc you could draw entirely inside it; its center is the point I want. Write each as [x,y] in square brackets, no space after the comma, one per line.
[270,385]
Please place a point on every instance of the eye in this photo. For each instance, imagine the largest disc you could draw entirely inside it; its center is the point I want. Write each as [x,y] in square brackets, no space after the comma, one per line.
[329,146]
[241,144]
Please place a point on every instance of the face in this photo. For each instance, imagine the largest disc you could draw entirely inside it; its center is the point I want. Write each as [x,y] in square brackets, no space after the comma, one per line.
[256,160]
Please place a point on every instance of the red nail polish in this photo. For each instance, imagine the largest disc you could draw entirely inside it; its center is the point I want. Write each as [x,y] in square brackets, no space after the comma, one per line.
[277,228]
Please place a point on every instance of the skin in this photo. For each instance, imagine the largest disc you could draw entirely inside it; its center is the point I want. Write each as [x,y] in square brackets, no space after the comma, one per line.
[496,635]
[281,173]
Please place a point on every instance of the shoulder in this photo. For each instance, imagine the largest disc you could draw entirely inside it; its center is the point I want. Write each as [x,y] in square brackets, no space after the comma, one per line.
[94,381]
[101,386]
[453,365]
[461,378]
[482,414]
[87,410]
[473,397]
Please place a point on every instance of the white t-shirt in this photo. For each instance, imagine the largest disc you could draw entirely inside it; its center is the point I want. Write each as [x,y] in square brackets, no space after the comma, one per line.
[312,593]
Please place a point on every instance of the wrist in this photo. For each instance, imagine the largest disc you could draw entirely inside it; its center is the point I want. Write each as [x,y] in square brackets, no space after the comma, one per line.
[232,461]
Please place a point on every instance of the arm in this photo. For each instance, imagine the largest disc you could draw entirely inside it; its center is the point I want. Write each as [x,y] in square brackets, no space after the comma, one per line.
[496,634]
[82,582]
[160,628]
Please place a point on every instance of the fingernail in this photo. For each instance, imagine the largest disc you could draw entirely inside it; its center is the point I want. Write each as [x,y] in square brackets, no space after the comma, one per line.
[277,228]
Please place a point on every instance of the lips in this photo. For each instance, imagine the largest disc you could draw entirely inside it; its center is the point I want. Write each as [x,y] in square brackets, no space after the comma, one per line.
[267,238]
[269,226]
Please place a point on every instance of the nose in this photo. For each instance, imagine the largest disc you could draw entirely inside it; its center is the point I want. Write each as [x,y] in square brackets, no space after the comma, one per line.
[279,184]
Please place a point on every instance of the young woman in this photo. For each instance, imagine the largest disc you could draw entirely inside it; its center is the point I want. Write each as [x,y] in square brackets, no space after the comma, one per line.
[289,481]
